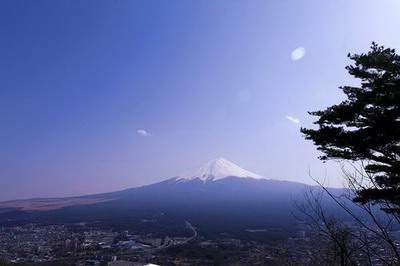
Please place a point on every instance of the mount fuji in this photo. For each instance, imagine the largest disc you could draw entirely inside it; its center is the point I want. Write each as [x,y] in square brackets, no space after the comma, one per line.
[218,169]
[217,198]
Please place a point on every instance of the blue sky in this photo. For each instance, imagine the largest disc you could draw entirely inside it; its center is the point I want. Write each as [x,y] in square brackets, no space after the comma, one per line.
[102,95]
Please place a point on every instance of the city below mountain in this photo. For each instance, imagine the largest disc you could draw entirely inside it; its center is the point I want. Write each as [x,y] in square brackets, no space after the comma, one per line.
[218,197]
[216,205]
[101,100]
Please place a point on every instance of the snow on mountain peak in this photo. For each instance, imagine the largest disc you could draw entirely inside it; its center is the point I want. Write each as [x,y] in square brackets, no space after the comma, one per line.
[218,169]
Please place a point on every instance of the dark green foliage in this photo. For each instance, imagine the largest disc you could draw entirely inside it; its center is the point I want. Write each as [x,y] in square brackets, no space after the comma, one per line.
[366,126]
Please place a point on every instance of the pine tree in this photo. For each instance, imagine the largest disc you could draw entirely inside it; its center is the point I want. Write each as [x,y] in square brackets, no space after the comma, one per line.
[366,126]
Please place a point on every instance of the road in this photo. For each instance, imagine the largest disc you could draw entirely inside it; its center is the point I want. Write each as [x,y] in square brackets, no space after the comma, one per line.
[191,227]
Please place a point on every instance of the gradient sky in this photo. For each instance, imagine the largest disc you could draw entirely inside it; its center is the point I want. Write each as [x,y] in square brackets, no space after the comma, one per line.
[98,96]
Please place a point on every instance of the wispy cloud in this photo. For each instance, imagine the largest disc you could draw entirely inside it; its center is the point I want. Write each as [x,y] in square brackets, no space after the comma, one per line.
[298,53]
[293,119]
[143,133]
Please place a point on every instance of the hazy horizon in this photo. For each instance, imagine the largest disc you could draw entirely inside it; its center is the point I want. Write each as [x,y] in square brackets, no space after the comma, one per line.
[98,96]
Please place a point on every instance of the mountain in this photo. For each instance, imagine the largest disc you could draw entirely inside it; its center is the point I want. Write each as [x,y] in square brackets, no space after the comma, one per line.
[218,169]
[219,197]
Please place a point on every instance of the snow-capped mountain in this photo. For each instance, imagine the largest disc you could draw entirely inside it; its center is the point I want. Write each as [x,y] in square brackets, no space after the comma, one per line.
[218,169]
[219,197]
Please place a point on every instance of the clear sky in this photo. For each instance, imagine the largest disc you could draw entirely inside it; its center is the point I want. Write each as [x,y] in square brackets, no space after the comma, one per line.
[98,96]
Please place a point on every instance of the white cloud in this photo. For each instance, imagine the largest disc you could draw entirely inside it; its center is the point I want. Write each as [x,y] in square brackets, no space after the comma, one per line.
[293,119]
[298,53]
[143,132]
